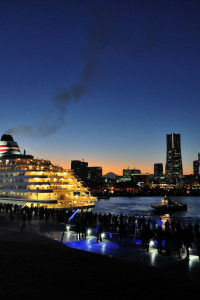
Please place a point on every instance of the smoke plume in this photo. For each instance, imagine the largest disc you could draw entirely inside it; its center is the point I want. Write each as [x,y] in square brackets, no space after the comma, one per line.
[105,31]
[101,35]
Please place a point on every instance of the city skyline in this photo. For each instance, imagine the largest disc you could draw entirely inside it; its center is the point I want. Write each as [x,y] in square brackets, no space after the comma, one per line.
[103,81]
[128,167]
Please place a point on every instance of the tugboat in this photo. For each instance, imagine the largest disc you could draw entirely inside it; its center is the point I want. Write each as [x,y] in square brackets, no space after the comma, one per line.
[169,205]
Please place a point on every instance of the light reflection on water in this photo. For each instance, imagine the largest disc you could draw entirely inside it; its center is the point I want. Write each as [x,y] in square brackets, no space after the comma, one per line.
[136,205]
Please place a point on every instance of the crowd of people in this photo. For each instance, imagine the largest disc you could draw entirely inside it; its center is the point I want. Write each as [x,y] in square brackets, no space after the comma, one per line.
[168,236]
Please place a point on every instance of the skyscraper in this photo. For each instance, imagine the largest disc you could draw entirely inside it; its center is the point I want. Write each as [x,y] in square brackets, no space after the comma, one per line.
[80,168]
[158,170]
[94,173]
[174,167]
[198,156]
[196,167]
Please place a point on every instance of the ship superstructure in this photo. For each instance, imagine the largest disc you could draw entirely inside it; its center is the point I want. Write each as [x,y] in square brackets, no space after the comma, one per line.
[37,182]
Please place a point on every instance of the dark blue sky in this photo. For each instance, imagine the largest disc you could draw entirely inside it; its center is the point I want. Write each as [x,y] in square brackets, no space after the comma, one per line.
[101,80]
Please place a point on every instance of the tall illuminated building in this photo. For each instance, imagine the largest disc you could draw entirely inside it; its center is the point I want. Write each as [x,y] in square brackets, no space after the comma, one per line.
[80,169]
[174,167]
[158,170]
[196,166]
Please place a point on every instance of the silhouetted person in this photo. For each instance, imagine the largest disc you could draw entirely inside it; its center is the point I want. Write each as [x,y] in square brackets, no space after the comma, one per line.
[23,225]
[187,239]
[83,228]
[196,229]
[159,238]
[198,243]
[153,224]
[78,228]
[121,232]
[145,237]
[99,232]
[168,238]
[29,217]
[173,226]
[179,238]
[167,224]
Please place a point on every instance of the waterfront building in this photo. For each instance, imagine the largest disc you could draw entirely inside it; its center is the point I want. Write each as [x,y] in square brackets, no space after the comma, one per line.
[130,172]
[37,182]
[135,179]
[174,167]
[158,170]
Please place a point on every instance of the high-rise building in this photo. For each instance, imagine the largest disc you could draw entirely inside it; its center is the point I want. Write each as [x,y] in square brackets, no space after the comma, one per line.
[94,173]
[174,167]
[199,156]
[196,166]
[158,170]
[80,168]
[85,173]
[130,172]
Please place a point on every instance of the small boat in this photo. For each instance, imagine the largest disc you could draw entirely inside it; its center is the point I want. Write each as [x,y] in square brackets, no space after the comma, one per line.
[169,205]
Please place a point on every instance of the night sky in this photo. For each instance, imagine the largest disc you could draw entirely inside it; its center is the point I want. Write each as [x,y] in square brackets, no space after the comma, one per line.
[103,81]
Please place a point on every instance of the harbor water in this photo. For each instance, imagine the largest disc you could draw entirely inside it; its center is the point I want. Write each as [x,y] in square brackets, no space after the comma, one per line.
[137,205]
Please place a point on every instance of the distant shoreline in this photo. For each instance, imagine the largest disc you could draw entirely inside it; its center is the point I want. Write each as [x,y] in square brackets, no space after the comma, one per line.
[148,195]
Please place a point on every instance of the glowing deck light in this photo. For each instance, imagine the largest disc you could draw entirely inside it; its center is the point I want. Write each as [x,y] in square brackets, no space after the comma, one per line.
[24,205]
[73,214]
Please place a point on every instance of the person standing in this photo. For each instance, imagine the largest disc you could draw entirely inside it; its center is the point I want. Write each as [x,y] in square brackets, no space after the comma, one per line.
[159,237]
[198,243]
[188,239]
[167,236]
[121,231]
[145,237]
[179,238]
[78,228]
[83,227]
[23,224]
[99,232]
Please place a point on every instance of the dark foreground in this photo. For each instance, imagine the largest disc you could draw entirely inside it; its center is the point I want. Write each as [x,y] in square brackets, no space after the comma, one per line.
[35,267]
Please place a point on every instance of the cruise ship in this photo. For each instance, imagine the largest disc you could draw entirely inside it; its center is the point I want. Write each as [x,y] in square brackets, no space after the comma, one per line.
[36,182]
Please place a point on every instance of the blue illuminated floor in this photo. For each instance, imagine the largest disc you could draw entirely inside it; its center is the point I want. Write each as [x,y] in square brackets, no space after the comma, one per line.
[133,253]
[110,248]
